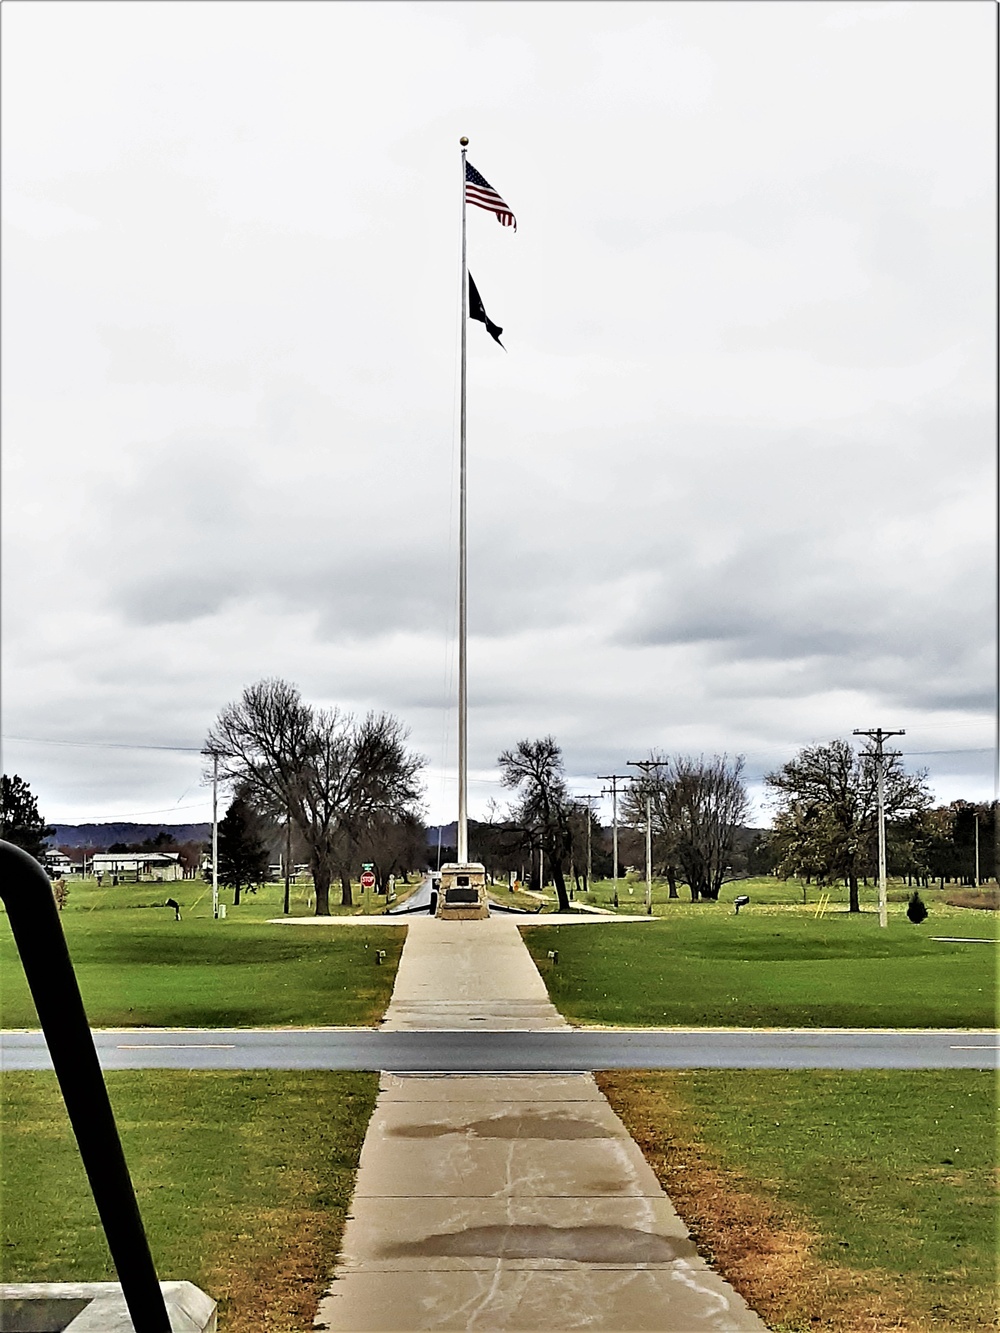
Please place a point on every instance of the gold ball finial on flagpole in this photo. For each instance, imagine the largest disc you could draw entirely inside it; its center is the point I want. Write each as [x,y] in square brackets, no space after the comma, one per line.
[464,141]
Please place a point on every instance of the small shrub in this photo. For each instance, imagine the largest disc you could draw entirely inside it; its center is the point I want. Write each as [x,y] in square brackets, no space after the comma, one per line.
[916,910]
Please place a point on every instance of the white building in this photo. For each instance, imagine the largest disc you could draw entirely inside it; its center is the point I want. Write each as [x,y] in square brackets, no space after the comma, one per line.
[157,866]
[59,863]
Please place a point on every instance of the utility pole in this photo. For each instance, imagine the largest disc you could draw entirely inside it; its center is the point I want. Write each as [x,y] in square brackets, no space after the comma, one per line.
[976,818]
[646,765]
[614,779]
[215,754]
[215,834]
[288,860]
[880,737]
[590,813]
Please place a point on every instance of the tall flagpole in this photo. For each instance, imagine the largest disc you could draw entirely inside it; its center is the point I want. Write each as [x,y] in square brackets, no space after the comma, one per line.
[463,699]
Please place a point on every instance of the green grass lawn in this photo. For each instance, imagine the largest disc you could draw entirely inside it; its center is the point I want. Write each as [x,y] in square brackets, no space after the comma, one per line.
[243,1181]
[137,966]
[776,967]
[834,1200]
[764,891]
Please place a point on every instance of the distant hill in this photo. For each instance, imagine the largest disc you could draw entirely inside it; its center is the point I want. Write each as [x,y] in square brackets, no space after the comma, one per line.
[103,835]
[448,834]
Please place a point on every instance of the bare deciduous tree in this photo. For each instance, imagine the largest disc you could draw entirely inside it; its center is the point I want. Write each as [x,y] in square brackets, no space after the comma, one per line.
[696,808]
[331,774]
[534,769]
[395,845]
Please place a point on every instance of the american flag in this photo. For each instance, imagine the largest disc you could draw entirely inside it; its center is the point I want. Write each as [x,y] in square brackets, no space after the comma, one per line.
[480,192]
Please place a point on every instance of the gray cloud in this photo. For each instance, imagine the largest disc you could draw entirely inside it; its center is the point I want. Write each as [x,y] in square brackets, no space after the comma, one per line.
[730,486]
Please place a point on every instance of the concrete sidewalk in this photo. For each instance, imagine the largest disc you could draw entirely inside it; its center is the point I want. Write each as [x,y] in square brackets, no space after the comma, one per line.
[468,974]
[513,1202]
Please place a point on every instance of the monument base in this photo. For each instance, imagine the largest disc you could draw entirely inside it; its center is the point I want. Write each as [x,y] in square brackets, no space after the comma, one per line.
[462,895]
[96,1307]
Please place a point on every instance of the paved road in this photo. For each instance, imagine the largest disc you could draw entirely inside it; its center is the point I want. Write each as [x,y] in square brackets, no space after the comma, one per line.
[512,1052]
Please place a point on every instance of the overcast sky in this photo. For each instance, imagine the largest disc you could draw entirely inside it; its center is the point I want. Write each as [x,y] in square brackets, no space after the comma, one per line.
[731,486]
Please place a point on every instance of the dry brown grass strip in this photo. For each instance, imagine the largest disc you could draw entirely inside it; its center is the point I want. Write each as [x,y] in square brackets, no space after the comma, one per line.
[275,1272]
[754,1242]
[985,900]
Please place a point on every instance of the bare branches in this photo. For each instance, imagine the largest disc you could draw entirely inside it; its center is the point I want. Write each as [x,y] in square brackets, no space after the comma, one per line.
[534,769]
[696,808]
[329,774]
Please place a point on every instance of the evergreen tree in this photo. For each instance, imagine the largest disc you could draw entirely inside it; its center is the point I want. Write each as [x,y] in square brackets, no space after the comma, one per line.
[242,854]
[915,909]
[20,821]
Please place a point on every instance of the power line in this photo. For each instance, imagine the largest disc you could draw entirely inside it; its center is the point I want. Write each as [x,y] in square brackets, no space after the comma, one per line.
[105,745]
[982,749]
[132,814]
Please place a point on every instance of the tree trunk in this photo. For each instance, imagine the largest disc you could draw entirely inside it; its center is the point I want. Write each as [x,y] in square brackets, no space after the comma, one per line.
[321,885]
[672,881]
[346,898]
[322,888]
[236,896]
[852,881]
[555,870]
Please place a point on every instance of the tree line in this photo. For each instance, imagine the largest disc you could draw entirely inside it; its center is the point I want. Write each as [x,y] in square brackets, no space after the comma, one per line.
[341,790]
[825,822]
[696,809]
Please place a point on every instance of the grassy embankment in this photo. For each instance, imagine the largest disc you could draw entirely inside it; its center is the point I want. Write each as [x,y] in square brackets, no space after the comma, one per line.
[137,966]
[773,966]
[243,1181]
[833,1201]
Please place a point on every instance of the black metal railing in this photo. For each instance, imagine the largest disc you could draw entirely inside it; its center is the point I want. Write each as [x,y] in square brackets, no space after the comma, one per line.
[38,934]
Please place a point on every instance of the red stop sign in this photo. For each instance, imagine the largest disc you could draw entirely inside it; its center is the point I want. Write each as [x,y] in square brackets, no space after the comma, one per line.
[367,880]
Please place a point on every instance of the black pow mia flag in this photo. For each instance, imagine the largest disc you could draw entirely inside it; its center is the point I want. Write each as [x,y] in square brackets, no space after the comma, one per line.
[478,311]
